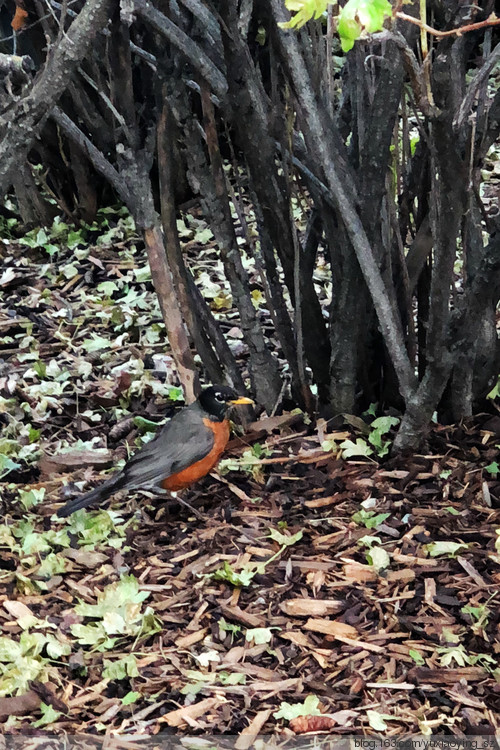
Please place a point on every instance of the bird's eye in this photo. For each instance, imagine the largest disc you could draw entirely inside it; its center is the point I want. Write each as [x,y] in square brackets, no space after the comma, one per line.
[219,397]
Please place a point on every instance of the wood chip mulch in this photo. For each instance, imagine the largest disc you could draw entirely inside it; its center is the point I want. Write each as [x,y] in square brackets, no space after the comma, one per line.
[410,648]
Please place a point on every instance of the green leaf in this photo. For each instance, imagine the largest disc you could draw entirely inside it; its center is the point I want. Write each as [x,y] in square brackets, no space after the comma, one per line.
[417,657]
[55,648]
[228,627]
[480,614]
[234,678]
[203,236]
[493,468]
[369,519]
[184,231]
[69,271]
[142,274]
[107,288]
[376,720]
[435,549]
[452,654]
[226,573]
[49,716]
[369,541]
[93,635]
[7,465]
[74,239]
[52,565]
[120,669]
[372,410]
[383,425]
[378,558]
[115,596]
[259,635]
[360,17]
[131,697]
[380,427]
[10,651]
[31,498]
[34,435]
[96,343]
[495,391]
[145,424]
[119,611]
[304,10]
[175,394]
[51,249]
[359,448]
[284,540]
[289,711]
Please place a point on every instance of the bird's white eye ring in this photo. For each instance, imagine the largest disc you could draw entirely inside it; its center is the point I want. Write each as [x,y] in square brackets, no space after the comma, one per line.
[219,397]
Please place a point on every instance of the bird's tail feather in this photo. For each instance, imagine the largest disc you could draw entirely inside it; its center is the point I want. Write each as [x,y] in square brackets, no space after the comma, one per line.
[97,495]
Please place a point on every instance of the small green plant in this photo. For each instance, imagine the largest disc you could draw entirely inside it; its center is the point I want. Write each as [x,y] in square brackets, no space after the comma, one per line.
[229,627]
[120,669]
[378,429]
[226,573]
[493,469]
[250,570]
[479,616]
[356,19]
[288,711]
[259,636]
[417,657]
[495,391]
[369,518]
[49,716]
[352,450]
[250,461]
[451,549]
[116,614]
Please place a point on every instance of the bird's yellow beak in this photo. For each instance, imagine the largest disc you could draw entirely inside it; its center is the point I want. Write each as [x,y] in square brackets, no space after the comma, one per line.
[241,400]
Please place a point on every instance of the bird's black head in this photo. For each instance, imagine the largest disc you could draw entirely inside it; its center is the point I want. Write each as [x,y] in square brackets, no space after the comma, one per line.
[217,399]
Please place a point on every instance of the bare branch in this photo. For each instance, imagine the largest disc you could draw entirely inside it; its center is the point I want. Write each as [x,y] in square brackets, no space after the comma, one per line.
[197,58]
[30,112]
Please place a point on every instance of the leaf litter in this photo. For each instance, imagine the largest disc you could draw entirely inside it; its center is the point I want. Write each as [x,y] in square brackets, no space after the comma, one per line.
[328,587]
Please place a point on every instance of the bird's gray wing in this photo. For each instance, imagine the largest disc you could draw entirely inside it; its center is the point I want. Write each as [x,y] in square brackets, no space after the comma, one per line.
[181,443]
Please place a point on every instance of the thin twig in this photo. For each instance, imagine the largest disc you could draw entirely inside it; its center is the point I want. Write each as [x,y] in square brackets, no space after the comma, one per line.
[492,20]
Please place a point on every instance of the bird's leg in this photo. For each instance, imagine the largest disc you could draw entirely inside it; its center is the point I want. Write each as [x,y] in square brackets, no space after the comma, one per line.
[178,499]
[166,494]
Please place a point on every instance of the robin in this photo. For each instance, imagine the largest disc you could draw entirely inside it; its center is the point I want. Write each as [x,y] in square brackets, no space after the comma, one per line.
[183,452]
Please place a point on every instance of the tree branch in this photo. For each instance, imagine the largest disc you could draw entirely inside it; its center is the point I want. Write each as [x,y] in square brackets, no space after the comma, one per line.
[196,57]
[389,324]
[30,112]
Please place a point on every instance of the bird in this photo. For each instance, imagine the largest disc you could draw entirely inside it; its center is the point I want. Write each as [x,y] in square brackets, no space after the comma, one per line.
[185,450]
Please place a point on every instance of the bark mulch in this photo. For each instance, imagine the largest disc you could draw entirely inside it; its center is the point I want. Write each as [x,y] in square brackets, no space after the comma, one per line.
[276,595]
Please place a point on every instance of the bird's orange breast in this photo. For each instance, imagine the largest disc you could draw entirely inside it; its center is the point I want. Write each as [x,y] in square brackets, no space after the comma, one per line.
[198,470]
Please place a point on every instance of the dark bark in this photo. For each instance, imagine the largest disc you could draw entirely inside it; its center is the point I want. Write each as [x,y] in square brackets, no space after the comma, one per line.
[30,112]
[255,125]
[392,215]
[314,134]
[264,372]
[172,244]
[197,57]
